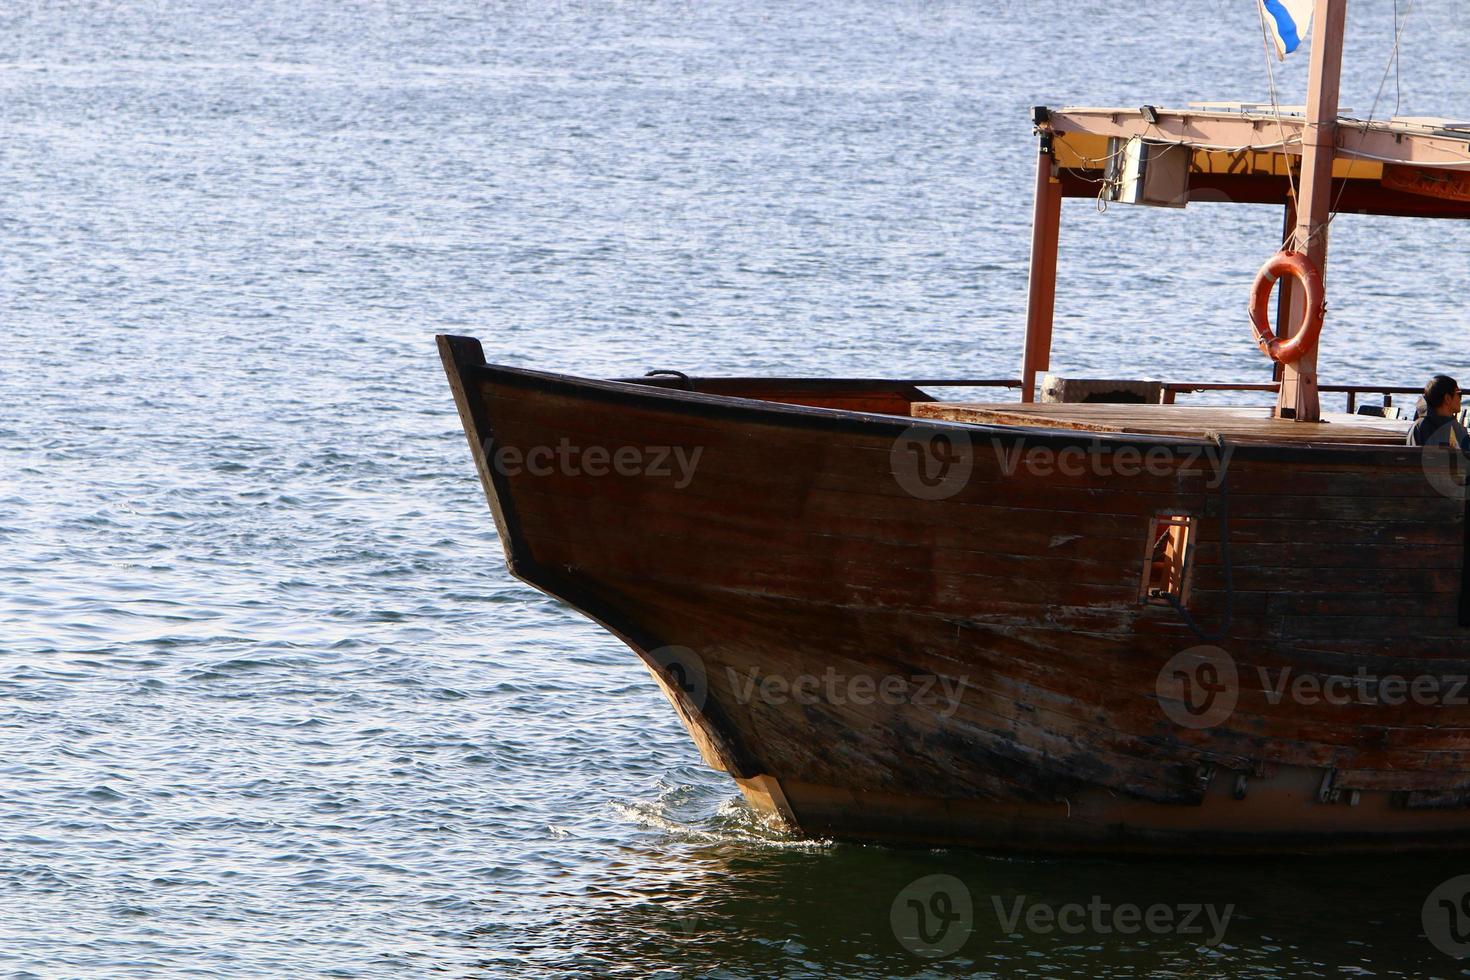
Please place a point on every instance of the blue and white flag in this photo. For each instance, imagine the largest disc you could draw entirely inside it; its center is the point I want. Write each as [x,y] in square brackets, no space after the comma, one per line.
[1288,21]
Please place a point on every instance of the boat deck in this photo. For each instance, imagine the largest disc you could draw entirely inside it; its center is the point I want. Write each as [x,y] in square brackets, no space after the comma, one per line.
[1238,424]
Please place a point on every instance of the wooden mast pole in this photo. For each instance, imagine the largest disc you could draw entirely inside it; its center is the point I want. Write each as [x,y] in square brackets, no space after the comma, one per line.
[1298,396]
[1288,317]
[1046,223]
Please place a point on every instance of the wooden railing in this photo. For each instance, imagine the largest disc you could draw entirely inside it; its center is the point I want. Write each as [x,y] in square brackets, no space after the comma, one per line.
[1173,388]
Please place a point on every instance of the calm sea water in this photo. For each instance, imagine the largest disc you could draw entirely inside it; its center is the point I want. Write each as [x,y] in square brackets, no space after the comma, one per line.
[270,704]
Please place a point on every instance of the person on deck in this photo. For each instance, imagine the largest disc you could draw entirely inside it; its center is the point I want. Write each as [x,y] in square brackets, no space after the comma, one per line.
[1442,404]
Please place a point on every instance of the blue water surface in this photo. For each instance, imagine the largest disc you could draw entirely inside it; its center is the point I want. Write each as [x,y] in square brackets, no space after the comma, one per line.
[270,704]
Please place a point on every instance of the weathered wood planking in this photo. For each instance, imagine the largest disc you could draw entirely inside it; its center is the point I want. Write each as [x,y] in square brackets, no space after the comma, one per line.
[793,551]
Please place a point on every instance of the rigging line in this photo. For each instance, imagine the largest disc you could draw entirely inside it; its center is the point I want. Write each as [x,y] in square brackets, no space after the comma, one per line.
[1393,62]
[1226,566]
[1441,164]
[1393,58]
[1398,63]
[1256,147]
[1104,183]
[1104,160]
[1276,108]
[1097,163]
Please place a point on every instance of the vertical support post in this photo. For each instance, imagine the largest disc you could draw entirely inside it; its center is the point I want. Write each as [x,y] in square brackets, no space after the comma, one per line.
[1288,320]
[1046,224]
[1298,397]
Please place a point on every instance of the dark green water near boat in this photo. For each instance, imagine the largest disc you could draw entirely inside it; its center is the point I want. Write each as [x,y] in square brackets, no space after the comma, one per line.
[729,911]
[270,704]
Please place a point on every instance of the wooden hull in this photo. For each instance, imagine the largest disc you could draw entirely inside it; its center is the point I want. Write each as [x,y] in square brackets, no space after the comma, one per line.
[980,668]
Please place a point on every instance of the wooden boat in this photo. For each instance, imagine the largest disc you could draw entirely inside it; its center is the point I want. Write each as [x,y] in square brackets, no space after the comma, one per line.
[1041,625]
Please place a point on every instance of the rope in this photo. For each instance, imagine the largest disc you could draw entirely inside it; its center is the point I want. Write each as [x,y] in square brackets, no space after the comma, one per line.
[1442,164]
[1393,63]
[1104,185]
[1276,109]
[679,376]
[1173,600]
[1398,64]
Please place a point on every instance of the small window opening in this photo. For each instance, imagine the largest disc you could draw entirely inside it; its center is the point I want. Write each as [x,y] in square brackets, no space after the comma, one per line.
[1167,562]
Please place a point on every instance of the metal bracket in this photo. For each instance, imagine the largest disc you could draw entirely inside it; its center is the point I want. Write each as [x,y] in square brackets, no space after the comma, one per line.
[1203,775]
[1326,793]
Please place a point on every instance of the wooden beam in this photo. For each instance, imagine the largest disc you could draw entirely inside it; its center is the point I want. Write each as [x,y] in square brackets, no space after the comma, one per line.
[1350,196]
[1238,424]
[1288,318]
[1376,142]
[1046,223]
[1298,397]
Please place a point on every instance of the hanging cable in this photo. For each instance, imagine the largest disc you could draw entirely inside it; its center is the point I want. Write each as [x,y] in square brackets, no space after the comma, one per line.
[1393,62]
[1398,64]
[1276,110]
[1393,65]
[1229,611]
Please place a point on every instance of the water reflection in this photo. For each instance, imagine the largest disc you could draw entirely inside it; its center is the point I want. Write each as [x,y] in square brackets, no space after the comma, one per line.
[758,909]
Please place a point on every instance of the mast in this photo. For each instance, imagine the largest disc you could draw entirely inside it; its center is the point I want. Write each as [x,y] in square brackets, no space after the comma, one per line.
[1298,395]
[1046,223]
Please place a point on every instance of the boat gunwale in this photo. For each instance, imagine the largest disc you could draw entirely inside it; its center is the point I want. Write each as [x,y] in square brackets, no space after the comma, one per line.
[713,406]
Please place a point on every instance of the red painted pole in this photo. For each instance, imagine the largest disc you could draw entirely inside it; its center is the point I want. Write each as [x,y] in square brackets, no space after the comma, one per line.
[1046,223]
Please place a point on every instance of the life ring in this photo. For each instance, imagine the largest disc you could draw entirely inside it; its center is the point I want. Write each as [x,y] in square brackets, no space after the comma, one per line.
[1304,341]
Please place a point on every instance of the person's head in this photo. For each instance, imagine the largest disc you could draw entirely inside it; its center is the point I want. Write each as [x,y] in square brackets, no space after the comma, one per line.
[1442,395]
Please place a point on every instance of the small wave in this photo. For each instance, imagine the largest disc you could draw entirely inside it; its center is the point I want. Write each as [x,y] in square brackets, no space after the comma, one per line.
[732,822]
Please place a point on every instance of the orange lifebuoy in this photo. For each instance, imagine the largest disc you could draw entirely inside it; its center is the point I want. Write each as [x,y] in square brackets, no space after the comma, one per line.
[1304,341]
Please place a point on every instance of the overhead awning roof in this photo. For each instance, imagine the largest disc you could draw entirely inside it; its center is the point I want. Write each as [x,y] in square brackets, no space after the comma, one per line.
[1241,153]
